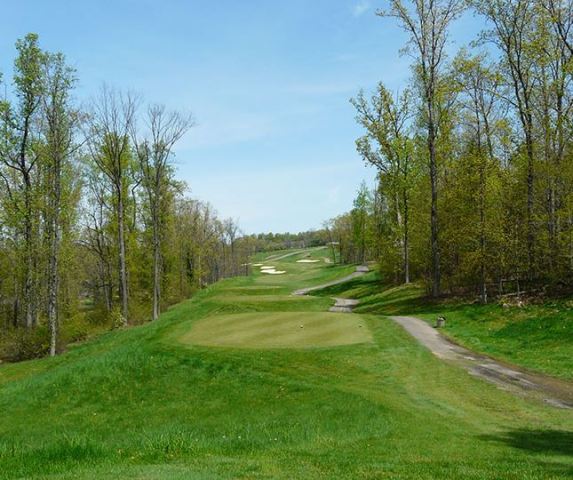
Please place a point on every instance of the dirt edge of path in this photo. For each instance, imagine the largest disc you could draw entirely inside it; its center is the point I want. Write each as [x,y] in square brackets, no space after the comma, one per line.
[552,391]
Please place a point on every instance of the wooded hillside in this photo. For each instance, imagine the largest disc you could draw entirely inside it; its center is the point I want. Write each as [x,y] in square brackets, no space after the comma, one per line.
[95,230]
[474,156]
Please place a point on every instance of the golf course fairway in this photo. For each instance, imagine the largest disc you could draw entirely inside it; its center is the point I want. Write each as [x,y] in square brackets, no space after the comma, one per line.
[247,381]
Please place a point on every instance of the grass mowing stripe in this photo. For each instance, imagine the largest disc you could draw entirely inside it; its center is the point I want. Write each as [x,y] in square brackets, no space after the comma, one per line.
[279,330]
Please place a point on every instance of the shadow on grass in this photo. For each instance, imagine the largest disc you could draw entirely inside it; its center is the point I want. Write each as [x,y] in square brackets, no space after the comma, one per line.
[357,284]
[63,455]
[556,442]
[379,298]
[543,442]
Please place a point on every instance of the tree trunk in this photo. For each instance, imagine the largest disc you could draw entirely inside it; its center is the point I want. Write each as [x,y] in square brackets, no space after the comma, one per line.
[29,294]
[482,240]
[156,268]
[123,289]
[530,219]
[53,272]
[434,210]
[406,242]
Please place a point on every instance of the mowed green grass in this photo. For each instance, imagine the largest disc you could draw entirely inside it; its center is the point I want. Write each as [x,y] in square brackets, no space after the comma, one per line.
[279,330]
[537,336]
[142,404]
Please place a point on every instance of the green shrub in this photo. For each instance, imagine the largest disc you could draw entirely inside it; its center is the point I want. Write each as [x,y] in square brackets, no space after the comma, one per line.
[20,344]
[75,328]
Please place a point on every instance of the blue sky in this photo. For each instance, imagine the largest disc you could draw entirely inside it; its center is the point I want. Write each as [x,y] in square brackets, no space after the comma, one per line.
[268,82]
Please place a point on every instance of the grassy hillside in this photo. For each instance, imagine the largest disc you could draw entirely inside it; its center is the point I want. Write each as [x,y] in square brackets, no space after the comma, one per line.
[537,336]
[149,403]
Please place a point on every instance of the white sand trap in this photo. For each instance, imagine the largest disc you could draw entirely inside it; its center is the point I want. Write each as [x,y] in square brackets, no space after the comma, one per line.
[257,264]
[267,267]
[306,260]
[272,271]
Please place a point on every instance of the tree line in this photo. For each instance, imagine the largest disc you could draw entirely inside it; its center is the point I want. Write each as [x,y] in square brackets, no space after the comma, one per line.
[474,155]
[266,242]
[95,230]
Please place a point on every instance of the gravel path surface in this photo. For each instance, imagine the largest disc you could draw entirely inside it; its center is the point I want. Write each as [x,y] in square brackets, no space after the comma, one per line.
[552,391]
[343,305]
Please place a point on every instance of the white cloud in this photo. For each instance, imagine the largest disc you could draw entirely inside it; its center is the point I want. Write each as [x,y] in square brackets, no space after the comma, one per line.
[360,8]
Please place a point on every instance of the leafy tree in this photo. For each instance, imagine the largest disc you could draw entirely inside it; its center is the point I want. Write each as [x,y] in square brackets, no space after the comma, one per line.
[153,155]
[388,145]
[427,23]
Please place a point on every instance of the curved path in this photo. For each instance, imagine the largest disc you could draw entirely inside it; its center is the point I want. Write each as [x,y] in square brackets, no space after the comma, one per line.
[360,270]
[552,391]
[342,305]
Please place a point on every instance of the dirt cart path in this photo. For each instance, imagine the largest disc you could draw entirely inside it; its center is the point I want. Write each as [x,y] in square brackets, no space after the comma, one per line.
[361,270]
[555,392]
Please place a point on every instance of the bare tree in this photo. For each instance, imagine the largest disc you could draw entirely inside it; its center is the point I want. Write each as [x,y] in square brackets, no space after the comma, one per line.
[58,125]
[231,232]
[154,151]
[561,14]
[109,124]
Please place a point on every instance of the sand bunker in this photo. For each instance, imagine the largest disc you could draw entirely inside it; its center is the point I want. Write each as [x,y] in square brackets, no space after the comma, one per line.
[306,260]
[257,264]
[272,271]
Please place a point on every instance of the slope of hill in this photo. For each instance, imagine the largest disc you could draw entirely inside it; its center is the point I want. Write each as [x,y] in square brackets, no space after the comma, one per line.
[153,402]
